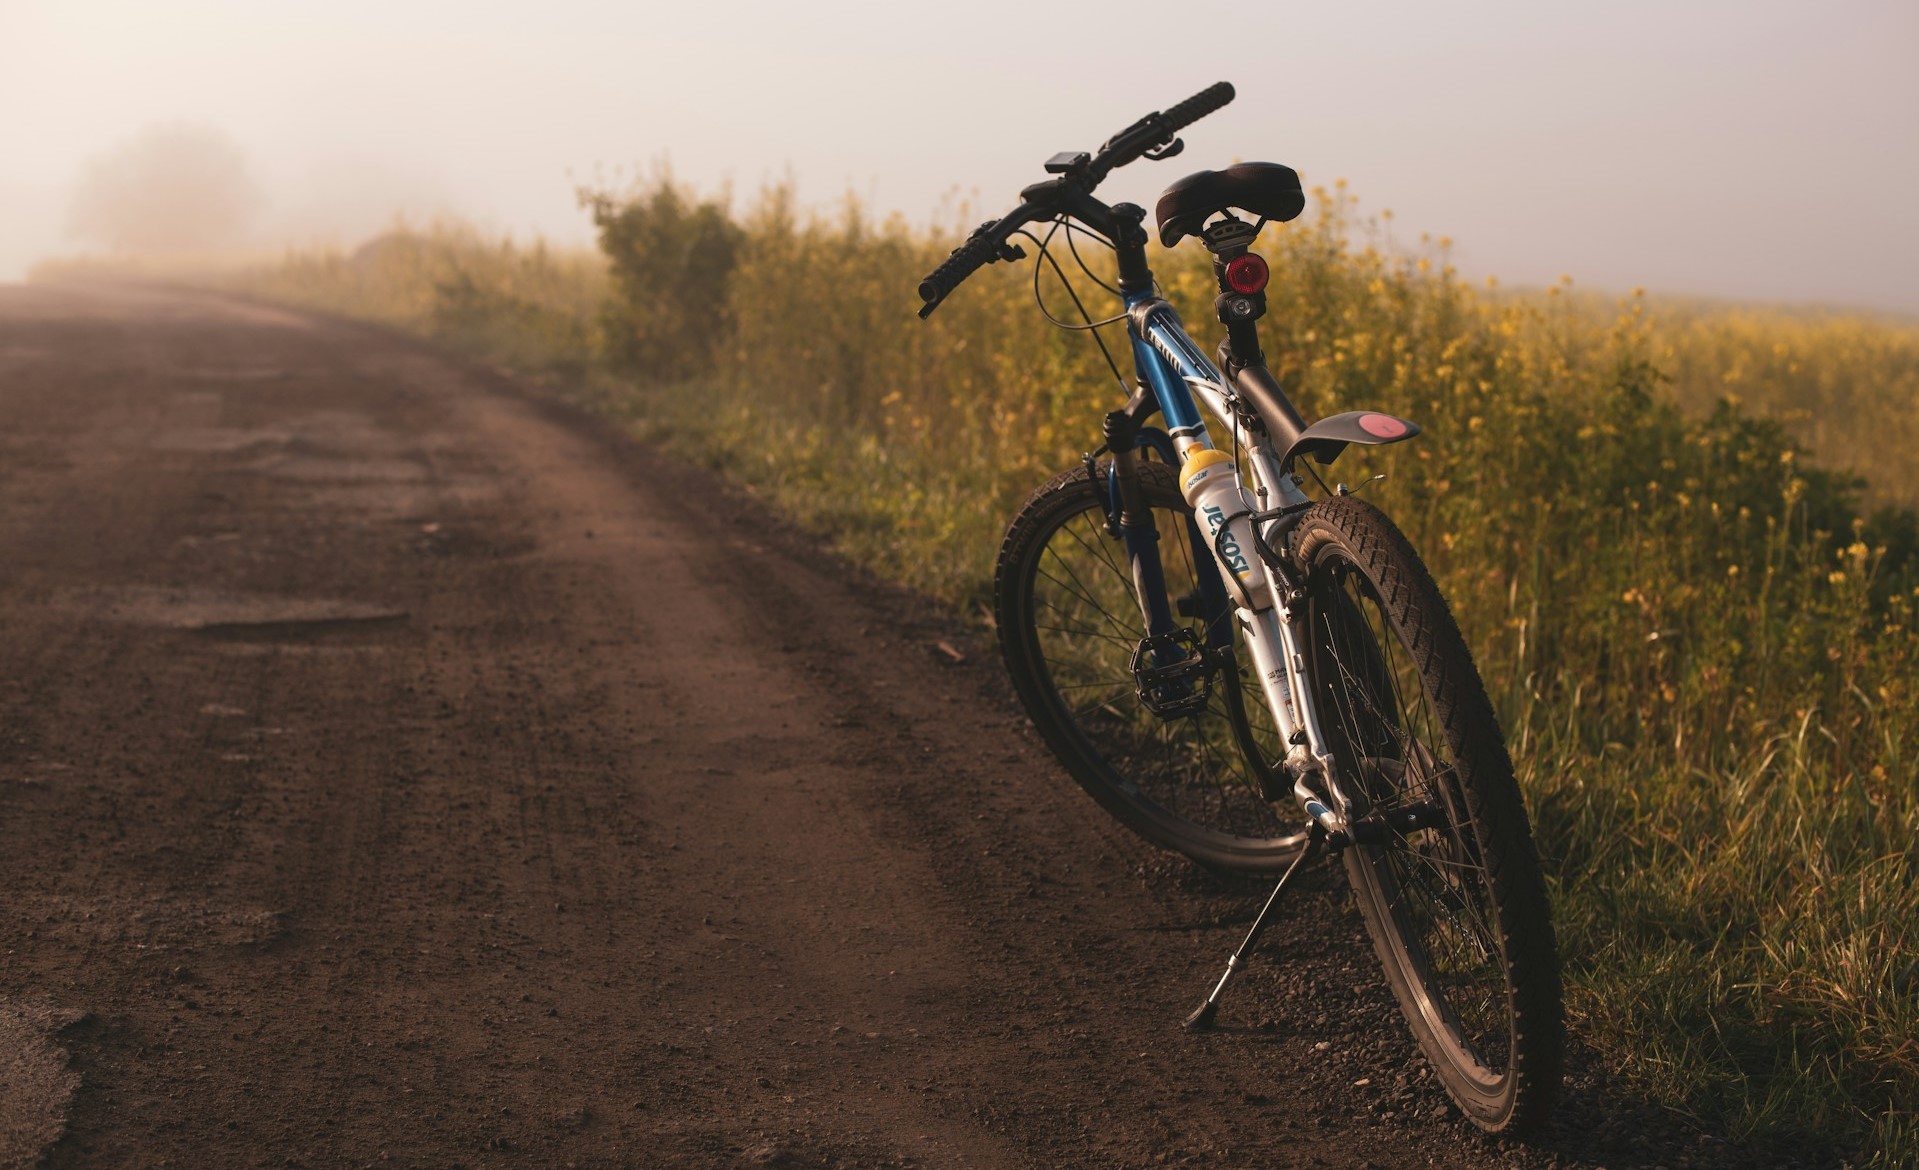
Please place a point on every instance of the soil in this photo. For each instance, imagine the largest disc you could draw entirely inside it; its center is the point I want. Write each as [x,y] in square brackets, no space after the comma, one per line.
[398,768]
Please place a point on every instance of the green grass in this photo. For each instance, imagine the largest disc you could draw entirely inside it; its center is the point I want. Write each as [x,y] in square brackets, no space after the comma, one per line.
[1700,635]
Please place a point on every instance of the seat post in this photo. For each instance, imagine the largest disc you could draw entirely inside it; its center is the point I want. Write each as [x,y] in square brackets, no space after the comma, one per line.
[1228,239]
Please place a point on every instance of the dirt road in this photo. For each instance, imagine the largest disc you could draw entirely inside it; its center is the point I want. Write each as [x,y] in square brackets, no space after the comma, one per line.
[394,770]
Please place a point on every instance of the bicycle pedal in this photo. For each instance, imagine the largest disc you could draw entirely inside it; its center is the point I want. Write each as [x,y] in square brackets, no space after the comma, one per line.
[1172,674]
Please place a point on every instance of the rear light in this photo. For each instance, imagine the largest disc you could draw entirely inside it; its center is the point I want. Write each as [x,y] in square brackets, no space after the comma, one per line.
[1246,274]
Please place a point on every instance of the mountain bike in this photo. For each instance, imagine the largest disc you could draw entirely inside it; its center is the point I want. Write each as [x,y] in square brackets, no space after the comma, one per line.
[1253,676]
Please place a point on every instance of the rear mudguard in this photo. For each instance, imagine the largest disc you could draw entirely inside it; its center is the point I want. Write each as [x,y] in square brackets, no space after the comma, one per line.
[1325,439]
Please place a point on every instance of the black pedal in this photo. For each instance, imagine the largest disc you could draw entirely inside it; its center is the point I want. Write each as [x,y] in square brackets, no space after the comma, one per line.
[1173,674]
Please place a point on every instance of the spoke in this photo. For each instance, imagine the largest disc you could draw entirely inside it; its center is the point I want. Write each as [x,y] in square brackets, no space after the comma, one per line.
[1481,931]
[1078,590]
[1087,616]
[1100,553]
[1435,892]
[1126,642]
[1461,866]
[1104,549]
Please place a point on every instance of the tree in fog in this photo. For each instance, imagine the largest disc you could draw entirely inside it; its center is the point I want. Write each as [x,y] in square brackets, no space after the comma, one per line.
[168,189]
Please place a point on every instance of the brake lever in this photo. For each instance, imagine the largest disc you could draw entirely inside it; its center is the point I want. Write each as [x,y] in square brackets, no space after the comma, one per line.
[1113,143]
[1162,153]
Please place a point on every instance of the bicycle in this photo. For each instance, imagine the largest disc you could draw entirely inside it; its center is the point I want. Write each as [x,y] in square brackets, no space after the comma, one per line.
[1202,644]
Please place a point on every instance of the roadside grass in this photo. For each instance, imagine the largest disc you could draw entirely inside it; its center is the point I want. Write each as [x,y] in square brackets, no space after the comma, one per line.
[1702,640]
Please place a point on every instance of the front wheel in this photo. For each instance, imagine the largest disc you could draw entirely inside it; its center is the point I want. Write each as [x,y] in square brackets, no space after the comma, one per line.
[1456,906]
[1183,770]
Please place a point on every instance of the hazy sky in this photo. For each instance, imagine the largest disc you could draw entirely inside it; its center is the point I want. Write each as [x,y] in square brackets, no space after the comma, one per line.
[1763,149]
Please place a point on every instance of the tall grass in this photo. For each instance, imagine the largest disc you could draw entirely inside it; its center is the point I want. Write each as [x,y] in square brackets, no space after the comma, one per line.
[1702,640]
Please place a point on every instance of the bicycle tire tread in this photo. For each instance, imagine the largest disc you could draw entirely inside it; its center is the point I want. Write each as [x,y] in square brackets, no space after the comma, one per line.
[1440,654]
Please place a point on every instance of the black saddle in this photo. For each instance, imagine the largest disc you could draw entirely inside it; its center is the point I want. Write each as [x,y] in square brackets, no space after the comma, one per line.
[1267,190]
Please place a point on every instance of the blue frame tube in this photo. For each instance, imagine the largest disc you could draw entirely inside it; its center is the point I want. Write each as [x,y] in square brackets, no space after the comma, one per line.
[1165,357]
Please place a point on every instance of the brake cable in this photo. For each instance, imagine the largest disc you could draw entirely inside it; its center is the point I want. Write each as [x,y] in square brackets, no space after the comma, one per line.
[1090,326]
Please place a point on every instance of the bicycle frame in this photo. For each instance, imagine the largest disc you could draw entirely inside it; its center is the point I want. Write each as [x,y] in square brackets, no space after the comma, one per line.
[1170,364]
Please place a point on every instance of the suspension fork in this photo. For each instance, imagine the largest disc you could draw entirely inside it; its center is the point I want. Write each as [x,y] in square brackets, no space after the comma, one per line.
[1133,515]
[1209,602]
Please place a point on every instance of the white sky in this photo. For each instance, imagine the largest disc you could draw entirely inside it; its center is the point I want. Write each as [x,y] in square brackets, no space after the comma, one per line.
[1763,149]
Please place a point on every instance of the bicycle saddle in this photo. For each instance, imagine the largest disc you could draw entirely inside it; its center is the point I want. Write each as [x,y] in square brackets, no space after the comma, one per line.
[1263,189]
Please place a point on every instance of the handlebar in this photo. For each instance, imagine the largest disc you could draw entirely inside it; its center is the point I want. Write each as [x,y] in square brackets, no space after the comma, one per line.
[987,244]
[1154,136]
[1206,101]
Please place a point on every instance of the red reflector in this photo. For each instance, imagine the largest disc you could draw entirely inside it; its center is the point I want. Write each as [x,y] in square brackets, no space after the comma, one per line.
[1246,274]
[1383,426]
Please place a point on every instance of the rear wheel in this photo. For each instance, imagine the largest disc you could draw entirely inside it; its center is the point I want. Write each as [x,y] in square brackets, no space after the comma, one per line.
[1071,629]
[1456,906]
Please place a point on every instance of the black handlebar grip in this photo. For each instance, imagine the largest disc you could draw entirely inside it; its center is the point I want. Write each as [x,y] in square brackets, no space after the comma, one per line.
[1199,105]
[950,273]
[968,258]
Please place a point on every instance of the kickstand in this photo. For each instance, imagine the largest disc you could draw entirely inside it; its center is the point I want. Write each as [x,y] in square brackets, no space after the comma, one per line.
[1202,1019]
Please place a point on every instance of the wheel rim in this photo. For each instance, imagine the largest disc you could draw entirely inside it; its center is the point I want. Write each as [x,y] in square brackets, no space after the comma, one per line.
[1430,887]
[1087,627]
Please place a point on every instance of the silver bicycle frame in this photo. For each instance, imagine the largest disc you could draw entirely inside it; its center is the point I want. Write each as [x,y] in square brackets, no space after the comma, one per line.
[1182,380]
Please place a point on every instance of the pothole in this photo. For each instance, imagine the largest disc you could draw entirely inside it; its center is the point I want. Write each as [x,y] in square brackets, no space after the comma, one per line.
[234,373]
[324,469]
[238,616]
[305,625]
[216,440]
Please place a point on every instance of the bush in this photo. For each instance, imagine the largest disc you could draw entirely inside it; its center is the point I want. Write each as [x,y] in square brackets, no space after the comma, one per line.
[669,310]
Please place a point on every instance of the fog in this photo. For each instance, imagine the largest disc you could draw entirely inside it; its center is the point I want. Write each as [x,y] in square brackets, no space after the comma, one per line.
[1758,150]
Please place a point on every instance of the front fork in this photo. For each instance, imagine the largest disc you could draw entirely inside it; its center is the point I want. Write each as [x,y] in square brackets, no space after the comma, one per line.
[1140,536]
[1274,638]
